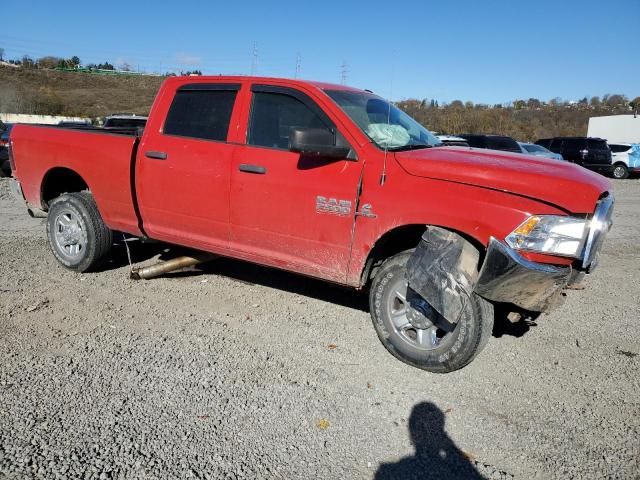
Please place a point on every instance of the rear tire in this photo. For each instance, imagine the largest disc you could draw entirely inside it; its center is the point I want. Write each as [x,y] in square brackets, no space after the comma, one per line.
[78,237]
[620,171]
[446,351]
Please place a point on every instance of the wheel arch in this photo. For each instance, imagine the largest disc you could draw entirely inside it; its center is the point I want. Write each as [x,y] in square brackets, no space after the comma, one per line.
[59,180]
[401,238]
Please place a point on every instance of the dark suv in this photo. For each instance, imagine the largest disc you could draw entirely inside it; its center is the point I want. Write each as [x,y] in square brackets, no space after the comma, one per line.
[592,153]
[494,142]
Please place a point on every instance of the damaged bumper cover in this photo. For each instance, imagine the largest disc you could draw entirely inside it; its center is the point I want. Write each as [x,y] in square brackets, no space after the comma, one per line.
[444,271]
[508,277]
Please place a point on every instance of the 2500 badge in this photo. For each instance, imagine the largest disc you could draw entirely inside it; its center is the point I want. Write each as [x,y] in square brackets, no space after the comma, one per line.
[333,206]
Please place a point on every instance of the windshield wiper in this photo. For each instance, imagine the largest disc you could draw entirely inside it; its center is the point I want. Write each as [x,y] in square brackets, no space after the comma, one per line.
[413,146]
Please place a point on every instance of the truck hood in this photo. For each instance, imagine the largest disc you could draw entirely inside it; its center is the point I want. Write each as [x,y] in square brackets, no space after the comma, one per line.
[563,184]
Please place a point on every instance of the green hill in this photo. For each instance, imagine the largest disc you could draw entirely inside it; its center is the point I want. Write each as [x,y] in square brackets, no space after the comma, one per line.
[51,92]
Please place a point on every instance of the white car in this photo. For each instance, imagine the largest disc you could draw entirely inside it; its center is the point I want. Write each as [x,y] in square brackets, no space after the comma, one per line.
[624,159]
[452,140]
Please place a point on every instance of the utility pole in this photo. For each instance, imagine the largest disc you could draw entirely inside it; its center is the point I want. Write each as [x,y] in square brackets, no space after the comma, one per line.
[344,70]
[298,64]
[254,59]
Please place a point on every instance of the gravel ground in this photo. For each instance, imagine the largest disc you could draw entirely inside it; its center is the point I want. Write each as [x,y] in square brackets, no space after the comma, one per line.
[237,371]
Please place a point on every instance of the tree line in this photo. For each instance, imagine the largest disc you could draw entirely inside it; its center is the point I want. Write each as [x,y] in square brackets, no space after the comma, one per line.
[50,62]
[525,120]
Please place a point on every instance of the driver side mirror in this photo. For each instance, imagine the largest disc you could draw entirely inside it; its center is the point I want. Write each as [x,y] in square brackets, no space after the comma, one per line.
[319,142]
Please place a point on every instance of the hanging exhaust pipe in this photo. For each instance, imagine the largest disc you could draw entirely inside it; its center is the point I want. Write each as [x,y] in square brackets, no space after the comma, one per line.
[161,268]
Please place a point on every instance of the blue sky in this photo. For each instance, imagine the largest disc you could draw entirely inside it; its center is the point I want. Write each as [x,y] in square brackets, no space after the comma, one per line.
[487,52]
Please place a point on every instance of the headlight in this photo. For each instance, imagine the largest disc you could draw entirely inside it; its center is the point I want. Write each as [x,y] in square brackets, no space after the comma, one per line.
[550,234]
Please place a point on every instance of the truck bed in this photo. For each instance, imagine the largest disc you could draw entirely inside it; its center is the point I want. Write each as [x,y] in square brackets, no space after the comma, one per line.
[95,154]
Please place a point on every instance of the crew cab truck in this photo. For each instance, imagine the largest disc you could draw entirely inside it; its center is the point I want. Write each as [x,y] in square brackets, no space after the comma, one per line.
[330,182]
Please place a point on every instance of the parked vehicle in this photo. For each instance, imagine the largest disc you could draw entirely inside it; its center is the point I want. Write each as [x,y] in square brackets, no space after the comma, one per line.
[591,153]
[452,141]
[75,124]
[626,159]
[493,142]
[539,151]
[5,131]
[330,182]
[124,120]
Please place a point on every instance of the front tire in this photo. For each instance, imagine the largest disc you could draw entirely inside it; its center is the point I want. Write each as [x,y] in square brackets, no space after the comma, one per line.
[620,171]
[424,344]
[78,237]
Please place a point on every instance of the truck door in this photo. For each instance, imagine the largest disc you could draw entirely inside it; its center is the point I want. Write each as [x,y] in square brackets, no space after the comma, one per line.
[182,179]
[288,210]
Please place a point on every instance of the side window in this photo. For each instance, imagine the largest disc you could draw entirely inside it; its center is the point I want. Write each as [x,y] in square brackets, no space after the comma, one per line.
[556,145]
[574,144]
[273,115]
[200,114]
[619,148]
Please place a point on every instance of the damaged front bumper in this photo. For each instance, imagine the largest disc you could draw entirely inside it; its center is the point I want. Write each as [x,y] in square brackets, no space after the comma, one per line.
[508,277]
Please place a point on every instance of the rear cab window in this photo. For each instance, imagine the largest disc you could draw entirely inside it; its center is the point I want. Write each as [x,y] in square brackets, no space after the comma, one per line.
[201,111]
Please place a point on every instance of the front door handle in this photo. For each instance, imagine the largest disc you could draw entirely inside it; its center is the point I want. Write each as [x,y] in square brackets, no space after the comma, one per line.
[155,155]
[245,167]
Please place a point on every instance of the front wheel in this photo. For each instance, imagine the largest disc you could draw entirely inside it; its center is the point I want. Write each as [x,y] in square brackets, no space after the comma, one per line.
[78,237]
[620,171]
[414,333]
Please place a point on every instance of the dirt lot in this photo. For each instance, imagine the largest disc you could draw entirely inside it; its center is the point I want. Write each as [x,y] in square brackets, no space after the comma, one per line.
[238,371]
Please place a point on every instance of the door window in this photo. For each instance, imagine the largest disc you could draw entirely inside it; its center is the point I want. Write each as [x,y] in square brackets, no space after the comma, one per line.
[201,114]
[273,115]
[556,145]
[619,148]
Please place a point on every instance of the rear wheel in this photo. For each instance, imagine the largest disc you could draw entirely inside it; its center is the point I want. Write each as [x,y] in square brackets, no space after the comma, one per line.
[78,237]
[620,171]
[415,333]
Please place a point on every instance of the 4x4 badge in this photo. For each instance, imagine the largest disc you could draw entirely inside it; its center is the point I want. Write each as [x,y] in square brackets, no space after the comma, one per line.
[366,211]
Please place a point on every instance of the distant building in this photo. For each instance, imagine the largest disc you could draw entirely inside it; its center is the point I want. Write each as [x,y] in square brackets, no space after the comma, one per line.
[616,128]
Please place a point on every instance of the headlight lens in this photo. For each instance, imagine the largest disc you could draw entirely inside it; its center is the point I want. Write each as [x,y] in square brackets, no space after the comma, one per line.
[550,234]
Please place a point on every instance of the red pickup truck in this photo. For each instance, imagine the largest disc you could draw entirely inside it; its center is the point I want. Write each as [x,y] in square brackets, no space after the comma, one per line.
[330,182]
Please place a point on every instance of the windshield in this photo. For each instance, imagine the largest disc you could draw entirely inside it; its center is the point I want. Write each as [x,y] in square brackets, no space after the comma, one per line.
[530,147]
[385,124]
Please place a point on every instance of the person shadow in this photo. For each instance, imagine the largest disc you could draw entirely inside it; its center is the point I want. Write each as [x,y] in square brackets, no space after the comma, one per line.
[436,457]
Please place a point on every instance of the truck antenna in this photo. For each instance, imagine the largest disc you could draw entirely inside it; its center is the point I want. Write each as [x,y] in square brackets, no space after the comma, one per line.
[383,175]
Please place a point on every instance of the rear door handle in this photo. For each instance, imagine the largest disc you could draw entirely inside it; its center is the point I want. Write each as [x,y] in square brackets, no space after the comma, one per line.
[155,155]
[245,167]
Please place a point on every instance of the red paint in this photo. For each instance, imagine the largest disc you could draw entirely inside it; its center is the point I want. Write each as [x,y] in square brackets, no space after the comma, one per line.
[199,198]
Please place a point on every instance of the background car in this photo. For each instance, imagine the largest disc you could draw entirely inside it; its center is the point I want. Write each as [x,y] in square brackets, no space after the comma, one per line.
[589,152]
[74,124]
[452,141]
[539,151]
[494,142]
[125,120]
[5,130]
[624,158]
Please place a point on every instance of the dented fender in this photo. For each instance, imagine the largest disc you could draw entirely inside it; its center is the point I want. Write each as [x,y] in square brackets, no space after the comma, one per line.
[443,269]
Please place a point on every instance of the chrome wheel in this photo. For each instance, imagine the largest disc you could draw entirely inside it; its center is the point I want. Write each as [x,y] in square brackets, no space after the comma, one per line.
[619,172]
[70,237]
[413,318]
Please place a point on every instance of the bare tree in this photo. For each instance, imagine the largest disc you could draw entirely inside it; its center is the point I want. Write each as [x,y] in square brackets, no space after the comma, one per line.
[1,54]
